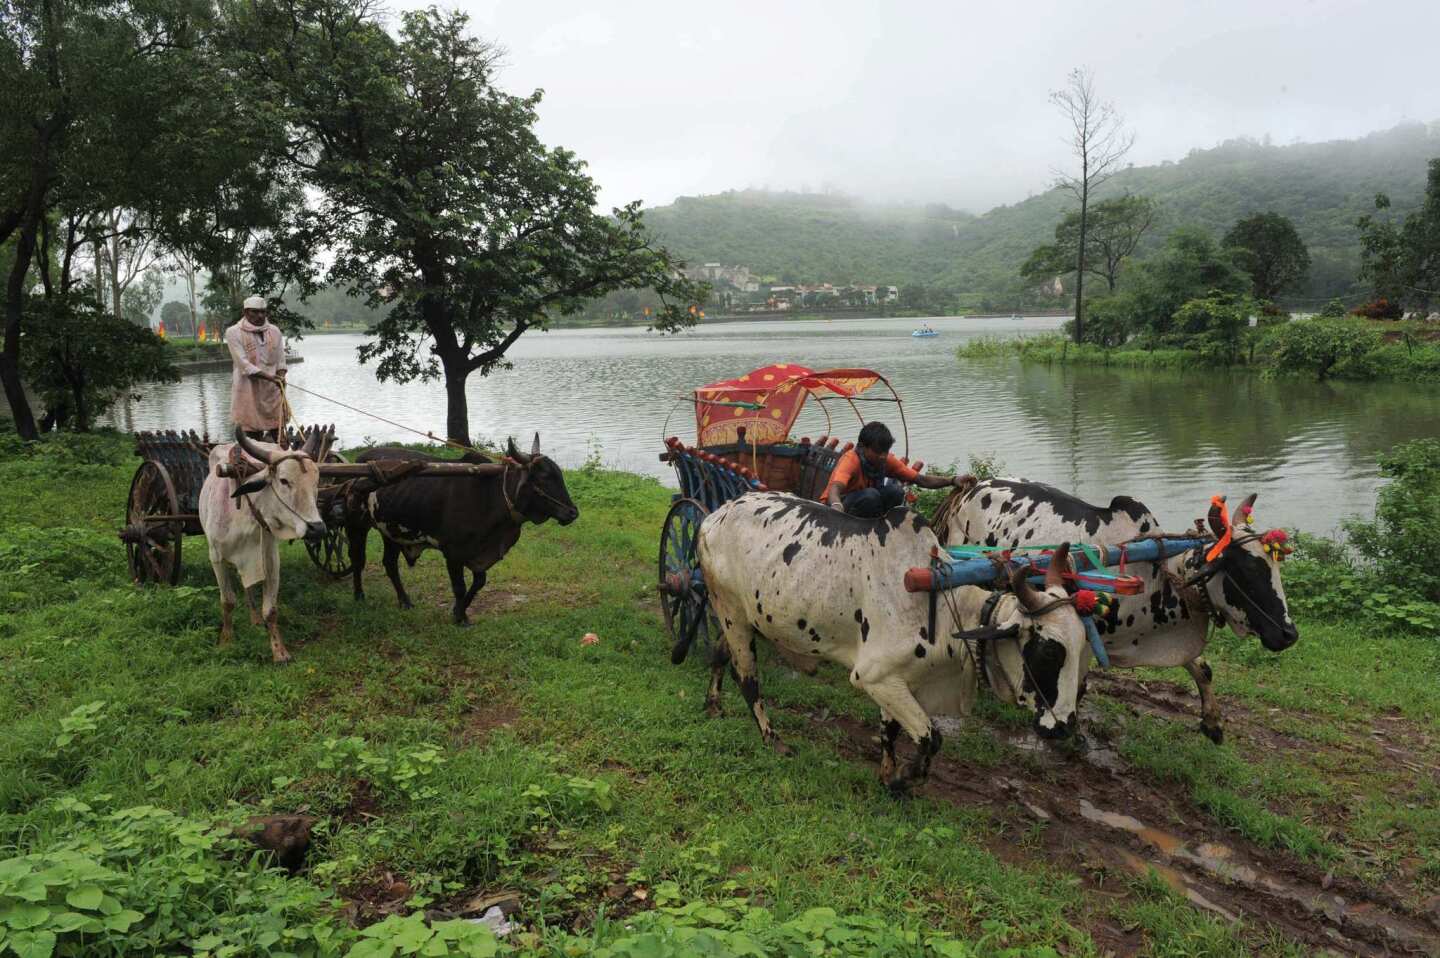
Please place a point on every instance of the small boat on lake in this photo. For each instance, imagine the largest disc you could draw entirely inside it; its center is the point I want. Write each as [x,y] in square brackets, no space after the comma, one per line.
[924,331]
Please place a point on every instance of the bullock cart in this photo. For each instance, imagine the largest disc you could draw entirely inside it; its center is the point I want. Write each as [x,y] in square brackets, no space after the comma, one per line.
[743,444]
[164,502]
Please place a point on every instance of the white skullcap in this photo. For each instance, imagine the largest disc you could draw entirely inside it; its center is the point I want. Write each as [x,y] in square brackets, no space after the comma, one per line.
[256,302]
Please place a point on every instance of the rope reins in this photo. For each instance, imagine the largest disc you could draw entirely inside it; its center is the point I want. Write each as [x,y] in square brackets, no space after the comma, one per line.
[389,422]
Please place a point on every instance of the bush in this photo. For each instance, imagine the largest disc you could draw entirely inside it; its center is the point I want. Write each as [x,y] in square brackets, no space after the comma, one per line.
[1381,308]
[1335,309]
[1402,543]
[1318,346]
[1214,325]
[80,360]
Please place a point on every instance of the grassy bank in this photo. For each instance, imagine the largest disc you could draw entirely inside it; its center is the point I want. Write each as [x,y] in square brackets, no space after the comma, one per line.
[1375,351]
[448,766]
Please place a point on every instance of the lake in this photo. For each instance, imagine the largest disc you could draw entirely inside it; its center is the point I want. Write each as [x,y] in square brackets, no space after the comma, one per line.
[1168,438]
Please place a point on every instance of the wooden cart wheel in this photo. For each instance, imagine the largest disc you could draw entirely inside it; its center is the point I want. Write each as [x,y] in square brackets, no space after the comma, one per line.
[684,607]
[331,554]
[152,543]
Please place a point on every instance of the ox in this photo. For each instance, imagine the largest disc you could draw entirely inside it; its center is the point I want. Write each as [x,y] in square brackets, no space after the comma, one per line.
[244,522]
[472,520]
[820,584]
[1165,625]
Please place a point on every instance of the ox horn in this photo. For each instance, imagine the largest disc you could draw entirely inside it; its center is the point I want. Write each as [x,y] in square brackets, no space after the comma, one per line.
[513,451]
[1059,566]
[251,450]
[1216,525]
[535,446]
[1024,591]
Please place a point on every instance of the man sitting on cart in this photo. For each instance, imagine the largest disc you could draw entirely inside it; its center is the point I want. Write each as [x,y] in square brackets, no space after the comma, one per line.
[867,481]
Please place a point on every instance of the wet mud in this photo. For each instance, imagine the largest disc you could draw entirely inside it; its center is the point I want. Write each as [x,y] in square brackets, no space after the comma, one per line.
[1104,820]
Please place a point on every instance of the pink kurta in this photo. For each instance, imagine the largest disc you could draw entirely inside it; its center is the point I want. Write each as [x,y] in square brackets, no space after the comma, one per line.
[254,402]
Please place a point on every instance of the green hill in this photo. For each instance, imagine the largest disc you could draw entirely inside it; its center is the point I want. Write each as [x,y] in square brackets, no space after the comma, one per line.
[797,237]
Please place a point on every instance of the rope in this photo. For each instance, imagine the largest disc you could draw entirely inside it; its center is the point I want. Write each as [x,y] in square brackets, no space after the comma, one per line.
[389,422]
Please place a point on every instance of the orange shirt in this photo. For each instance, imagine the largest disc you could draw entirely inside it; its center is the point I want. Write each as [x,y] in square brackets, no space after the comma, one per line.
[852,478]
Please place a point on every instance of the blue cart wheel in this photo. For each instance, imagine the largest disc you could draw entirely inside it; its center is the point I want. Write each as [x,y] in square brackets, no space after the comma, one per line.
[683,605]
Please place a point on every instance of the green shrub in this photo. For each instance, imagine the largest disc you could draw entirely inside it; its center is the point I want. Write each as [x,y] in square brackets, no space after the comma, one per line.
[1321,347]
[1403,540]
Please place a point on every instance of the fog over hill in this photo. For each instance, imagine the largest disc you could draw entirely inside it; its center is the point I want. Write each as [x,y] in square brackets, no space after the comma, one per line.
[807,237]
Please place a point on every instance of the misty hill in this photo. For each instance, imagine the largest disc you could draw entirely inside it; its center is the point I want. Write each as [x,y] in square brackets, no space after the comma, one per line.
[1323,187]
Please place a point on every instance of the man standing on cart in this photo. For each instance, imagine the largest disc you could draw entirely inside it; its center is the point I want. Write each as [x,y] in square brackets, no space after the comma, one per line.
[257,352]
[868,480]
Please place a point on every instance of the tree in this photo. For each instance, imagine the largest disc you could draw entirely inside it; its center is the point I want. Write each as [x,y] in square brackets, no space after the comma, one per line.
[1402,263]
[1272,253]
[1189,266]
[1099,142]
[108,103]
[435,194]
[81,359]
[177,319]
[1113,232]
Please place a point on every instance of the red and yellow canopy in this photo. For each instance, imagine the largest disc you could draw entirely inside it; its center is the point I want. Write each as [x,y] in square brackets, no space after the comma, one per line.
[766,401]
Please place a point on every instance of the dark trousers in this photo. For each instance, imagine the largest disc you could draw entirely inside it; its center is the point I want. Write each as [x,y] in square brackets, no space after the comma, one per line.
[874,502]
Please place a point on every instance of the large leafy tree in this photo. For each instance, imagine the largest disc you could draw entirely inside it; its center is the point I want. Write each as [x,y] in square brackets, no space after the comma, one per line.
[110,105]
[1401,262]
[1114,230]
[435,194]
[1271,251]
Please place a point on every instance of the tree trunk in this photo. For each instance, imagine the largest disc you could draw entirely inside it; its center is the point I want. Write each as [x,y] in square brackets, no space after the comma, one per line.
[15,293]
[457,409]
[1080,273]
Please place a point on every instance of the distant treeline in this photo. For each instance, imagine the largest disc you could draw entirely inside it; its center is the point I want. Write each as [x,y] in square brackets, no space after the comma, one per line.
[954,261]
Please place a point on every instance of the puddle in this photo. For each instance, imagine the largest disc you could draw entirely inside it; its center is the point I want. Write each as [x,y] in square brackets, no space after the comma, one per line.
[1222,862]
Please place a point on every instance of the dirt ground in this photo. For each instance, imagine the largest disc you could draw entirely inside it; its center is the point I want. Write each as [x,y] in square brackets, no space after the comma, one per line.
[1088,812]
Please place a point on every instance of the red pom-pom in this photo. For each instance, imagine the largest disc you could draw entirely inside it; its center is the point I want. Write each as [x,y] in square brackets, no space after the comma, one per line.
[1275,537]
[1085,600]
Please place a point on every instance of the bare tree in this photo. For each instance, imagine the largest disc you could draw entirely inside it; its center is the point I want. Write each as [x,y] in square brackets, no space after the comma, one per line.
[1099,140]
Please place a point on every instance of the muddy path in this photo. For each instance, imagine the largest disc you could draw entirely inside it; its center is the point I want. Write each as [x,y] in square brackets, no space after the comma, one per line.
[1104,820]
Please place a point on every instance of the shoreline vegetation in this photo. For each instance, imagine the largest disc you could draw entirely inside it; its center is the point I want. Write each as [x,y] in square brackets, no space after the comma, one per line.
[581,787]
[1342,349]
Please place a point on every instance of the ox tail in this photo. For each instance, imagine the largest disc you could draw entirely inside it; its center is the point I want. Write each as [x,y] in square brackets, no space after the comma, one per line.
[686,638]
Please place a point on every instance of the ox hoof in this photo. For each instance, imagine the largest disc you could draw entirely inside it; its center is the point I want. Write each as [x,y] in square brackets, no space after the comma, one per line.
[1214,733]
[899,788]
[463,623]
[780,748]
[715,710]
[359,597]
[406,604]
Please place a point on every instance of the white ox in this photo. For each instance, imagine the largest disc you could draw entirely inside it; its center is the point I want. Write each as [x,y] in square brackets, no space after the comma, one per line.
[1166,624]
[820,584]
[244,523]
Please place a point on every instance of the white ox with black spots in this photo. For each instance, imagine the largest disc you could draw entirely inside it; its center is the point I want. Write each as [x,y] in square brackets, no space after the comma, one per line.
[245,521]
[1166,624]
[820,584]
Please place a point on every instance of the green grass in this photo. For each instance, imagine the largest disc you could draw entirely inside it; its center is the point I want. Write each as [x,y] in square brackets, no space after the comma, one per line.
[509,756]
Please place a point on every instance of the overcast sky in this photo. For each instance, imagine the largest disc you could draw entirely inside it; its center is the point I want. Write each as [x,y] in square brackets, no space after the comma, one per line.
[942,101]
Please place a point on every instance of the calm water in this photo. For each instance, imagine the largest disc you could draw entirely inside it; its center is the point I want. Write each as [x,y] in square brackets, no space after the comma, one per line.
[1170,439]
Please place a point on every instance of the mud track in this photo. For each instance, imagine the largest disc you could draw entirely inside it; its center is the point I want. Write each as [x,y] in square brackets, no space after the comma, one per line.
[1103,819]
